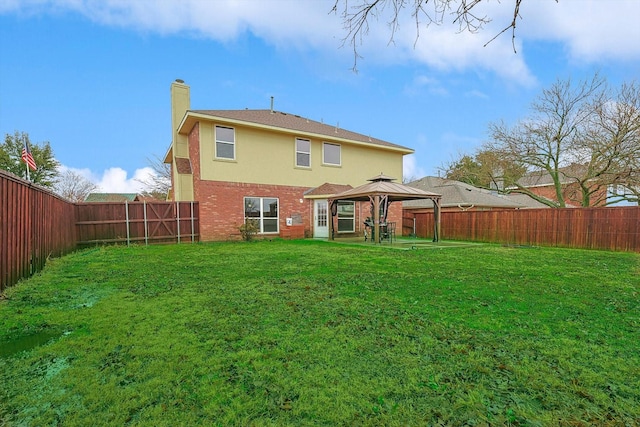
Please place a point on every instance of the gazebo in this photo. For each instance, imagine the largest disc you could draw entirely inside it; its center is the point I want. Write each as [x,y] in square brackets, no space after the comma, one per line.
[381,192]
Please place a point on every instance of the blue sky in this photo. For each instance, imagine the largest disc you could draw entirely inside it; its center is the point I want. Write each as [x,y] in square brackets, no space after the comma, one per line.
[92,77]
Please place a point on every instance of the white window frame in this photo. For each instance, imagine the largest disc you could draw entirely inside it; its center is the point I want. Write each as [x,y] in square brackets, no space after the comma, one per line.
[344,218]
[217,141]
[324,154]
[298,151]
[261,217]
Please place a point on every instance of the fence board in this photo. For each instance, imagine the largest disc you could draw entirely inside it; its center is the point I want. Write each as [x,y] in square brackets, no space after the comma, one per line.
[610,228]
[35,224]
[137,222]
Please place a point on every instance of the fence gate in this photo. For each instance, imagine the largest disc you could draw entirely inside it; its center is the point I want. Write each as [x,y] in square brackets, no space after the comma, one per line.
[137,222]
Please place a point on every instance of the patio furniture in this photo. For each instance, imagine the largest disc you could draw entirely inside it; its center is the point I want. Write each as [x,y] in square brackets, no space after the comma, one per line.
[368,229]
[388,231]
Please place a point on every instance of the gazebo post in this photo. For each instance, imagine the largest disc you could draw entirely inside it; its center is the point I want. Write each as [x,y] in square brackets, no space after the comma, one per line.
[376,218]
[330,215]
[436,217]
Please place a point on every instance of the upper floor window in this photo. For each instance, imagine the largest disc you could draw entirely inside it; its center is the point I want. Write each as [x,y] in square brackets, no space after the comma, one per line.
[225,143]
[330,154]
[303,153]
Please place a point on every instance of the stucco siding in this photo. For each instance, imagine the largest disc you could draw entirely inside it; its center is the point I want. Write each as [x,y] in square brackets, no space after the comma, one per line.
[269,158]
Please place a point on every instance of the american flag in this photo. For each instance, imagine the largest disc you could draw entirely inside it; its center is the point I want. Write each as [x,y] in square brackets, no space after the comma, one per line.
[27,157]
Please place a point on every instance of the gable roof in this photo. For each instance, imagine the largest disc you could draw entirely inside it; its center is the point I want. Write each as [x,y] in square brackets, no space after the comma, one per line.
[277,120]
[529,202]
[325,190]
[542,178]
[382,186]
[111,197]
[458,194]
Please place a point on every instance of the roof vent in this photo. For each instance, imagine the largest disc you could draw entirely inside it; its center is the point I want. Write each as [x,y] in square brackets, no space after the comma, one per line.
[179,81]
[272,105]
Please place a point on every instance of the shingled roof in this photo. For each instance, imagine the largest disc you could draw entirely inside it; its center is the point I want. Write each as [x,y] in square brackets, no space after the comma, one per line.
[326,189]
[111,197]
[286,121]
[542,178]
[458,194]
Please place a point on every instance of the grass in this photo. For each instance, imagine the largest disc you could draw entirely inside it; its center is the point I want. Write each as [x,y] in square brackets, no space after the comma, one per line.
[315,333]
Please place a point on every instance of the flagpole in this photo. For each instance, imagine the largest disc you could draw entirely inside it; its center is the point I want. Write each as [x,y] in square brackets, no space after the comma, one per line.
[28,174]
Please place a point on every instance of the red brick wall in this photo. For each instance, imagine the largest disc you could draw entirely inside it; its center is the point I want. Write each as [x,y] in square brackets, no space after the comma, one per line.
[363,211]
[222,208]
[571,193]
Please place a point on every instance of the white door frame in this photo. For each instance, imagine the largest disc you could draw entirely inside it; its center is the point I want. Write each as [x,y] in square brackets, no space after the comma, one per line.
[321,218]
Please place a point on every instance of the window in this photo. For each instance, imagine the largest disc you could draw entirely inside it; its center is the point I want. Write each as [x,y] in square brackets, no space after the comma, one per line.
[225,143]
[303,153]
[262,210]
[346,217]
[330,154]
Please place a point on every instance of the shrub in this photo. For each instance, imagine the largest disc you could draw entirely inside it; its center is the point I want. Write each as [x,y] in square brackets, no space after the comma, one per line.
[248,230]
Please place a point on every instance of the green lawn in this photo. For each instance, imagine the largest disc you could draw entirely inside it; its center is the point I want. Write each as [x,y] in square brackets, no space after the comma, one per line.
[277,333]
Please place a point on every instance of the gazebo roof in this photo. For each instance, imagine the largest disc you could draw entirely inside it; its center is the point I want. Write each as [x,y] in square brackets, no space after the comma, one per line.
[382,190]
[382,186]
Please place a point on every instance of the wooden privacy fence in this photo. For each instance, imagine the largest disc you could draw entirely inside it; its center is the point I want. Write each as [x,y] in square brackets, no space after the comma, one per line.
[611,228]
[35,224]
[136,222]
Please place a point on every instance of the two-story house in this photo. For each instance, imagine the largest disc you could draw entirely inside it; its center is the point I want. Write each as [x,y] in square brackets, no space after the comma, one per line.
[275,168]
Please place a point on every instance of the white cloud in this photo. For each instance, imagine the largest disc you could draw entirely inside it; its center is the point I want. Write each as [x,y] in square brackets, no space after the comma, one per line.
[410,168]
[85,172]
[432,85]
[591,30]
[477,94]
[114,179]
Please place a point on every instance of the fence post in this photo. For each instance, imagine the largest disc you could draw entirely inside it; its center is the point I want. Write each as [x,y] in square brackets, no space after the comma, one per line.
[178,220]
[193,230]
[126,215]
[146,226]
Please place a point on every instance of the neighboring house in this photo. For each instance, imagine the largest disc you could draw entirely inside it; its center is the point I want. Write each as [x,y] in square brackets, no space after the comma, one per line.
[527,201]
[541,183]
[275,168]
[112,197]
[459,196]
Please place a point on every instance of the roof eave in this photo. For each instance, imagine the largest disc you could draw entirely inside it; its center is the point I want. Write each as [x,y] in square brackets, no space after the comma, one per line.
[191,118]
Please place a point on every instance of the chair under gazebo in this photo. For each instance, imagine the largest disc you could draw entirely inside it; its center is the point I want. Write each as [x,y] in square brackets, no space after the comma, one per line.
[380,191]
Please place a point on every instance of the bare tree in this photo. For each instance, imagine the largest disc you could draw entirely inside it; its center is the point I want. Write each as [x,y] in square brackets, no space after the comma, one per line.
[73,186]
[581,138]
[357,16]
[158,184]
[610,148]
[546,141]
